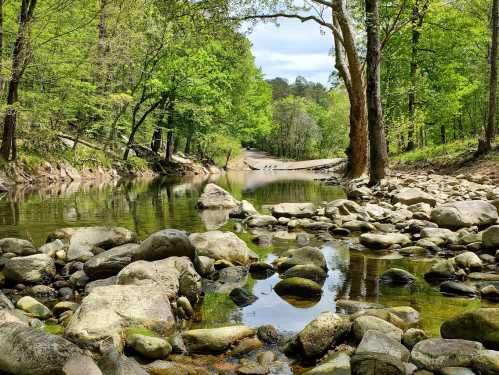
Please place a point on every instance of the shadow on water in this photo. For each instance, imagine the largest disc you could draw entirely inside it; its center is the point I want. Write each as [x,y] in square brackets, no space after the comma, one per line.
[148,206]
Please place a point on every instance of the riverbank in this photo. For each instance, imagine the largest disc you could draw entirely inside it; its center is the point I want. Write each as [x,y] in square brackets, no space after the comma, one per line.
[99,288]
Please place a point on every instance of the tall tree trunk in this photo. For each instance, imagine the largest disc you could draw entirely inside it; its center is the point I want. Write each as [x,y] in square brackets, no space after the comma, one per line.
[170,126]
[485,144]
[377,140]
[351,72]
[19,61]
[1,45]
[188,143]
[157,136]
[102,75]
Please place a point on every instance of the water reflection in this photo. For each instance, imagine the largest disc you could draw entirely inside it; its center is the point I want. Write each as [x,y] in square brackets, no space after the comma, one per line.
[148,206]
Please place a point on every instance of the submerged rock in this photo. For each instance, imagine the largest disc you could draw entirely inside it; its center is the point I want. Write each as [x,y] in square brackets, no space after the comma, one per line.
[455,288]
[28,351]
[164,244]
[215,340]
[397,276]
[108,310]
[241,297]
[299,287]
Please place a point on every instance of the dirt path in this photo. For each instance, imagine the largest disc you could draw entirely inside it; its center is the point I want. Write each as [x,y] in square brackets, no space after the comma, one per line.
[258,160]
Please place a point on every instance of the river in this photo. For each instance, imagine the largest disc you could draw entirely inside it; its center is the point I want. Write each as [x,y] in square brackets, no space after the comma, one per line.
[148,206]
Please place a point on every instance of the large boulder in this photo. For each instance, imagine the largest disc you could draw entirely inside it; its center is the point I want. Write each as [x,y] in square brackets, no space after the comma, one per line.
[29,351]
[298,287]
[464,214]
[36,268]
[478,325]
[410,196]
[163,244]
[175,276]
[435,354]
[17,246]
[82,241]
[221,246]
[322,333]
[107,311]
[490,237]
[215,340]
[110,262]
[298,210]
[383,241]
[214,197]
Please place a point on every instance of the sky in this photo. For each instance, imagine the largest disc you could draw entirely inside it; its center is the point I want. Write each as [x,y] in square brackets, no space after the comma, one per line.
[292,49]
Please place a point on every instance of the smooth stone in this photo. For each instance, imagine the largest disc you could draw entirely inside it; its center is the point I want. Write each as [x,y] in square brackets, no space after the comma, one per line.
[338,364]
[221,246]
[164,244]
[204,265]
[214,197]
[241,297]
[456,288]
[302,256]
[435,354]
[29,351]
[490,237]
[258,221]
[412,336]
[487,362]
[299,287]
[397,276]
[30,269]
[365,323]
[410,196]
[480,325]
[109,262]
[246,346]
[464,214]
[108,310]
[81,365]
[383,241]
[320,334]
[306,271]
[215,340]
[148,346]
[17,246]
[34,308]
[297,210]
[378,342]
[115,363]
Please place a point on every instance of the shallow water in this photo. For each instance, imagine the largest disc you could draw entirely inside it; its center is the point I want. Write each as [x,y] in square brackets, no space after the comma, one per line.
[148,206]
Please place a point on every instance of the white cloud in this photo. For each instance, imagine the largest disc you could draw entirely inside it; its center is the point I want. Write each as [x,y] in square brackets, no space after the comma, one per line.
[293,49]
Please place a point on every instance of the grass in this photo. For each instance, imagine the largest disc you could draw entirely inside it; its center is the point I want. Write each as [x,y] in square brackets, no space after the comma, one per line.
[140,331]
[456,150]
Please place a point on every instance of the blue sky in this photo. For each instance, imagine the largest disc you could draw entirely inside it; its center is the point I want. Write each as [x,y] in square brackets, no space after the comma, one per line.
[291,49]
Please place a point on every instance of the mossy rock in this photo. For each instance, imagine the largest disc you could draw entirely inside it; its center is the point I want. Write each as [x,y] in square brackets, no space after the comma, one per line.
[299,287]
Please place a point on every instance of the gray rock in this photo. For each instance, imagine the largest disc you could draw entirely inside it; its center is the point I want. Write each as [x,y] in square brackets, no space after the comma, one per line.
[487,362]
[256,221]
[30,269]
[397,276]
[435,354]
[377,342]
[17,246]
[464,214]
[338,364]
[110,262]
[410,196]
[306,271]
[445,235]
[383,241]
[478,325]
[298,287]
[51,248]
[164,244]
[214,197]
[28,351]
[490,237]
[33,307]
[221,246]
[322,333]
[204,265]
[82,241]
[304,256]
[80,365]
[174,276]
[412,336]
[149,346]
[297,210]
[114,363]
[215,340]
[108,310]
[366,323]
[456,288]
[376,363]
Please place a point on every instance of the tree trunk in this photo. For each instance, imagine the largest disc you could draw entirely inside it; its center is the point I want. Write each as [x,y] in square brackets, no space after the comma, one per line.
[1,44]
[485,145]
[170,126]
[157,136]
[188,143]
[351,73]
[102,50]
[8,148]
[377,140]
